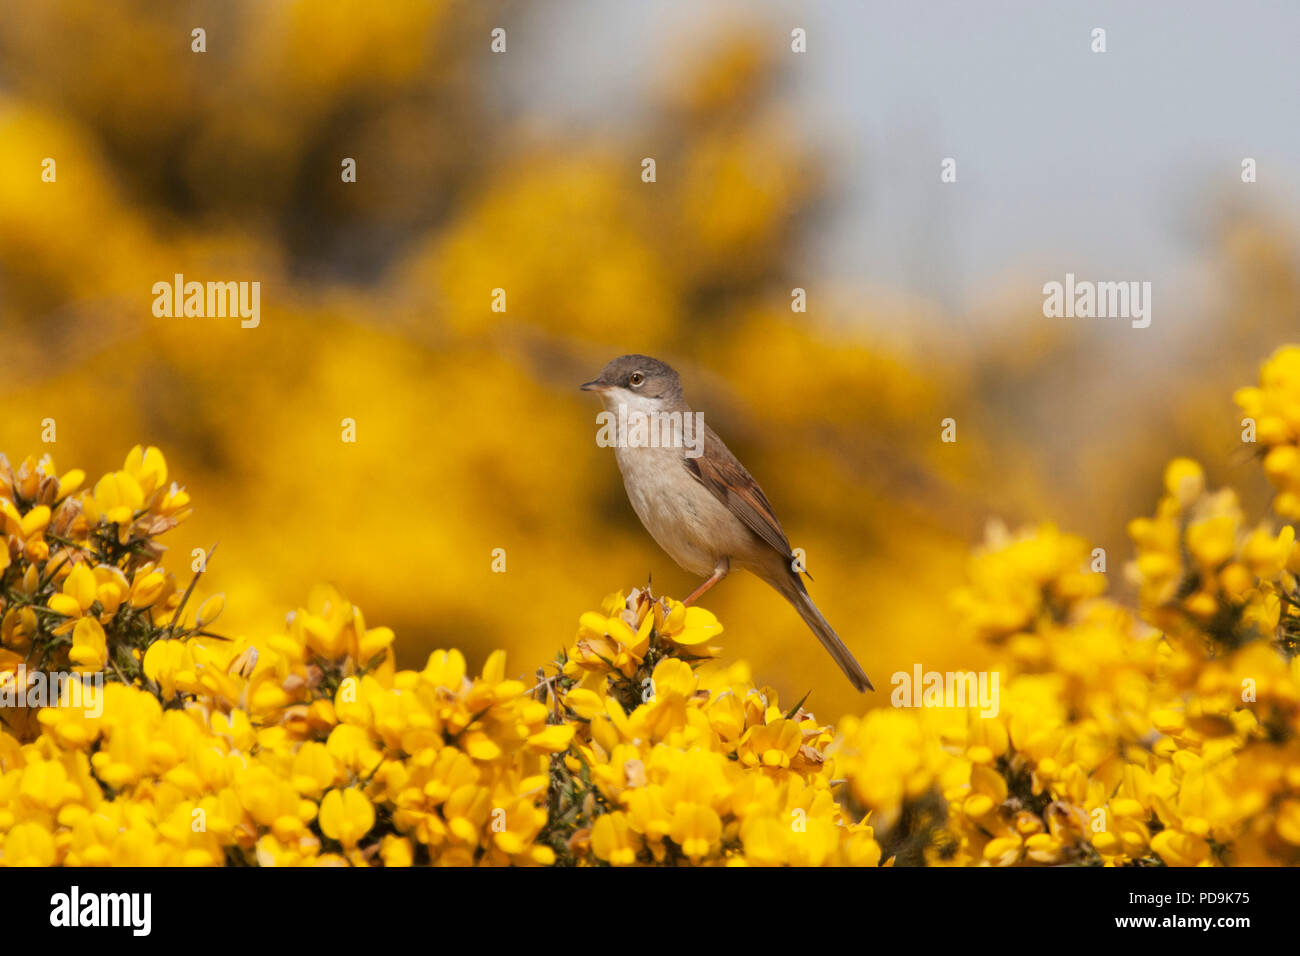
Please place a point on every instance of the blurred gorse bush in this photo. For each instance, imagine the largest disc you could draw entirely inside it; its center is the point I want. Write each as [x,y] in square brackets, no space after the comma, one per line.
[1169,734]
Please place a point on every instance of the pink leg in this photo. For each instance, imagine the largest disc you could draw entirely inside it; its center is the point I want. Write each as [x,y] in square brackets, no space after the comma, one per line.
[719,573]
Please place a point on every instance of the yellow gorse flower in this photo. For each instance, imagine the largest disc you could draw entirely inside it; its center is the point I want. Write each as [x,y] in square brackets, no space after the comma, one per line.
[1274,406]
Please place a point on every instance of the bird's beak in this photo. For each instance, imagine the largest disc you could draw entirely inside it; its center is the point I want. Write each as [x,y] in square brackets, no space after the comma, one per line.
[595,385]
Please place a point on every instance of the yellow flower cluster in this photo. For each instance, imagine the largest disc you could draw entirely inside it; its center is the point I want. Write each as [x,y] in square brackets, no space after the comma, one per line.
[670,767]
[1199,569]
[78,561]
[1114,743]
[1074,684]
[1173,737]
[1016,583]
[1274,407]
[305,747]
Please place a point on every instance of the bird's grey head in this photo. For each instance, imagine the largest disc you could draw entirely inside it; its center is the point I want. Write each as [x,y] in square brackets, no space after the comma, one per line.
[638,377]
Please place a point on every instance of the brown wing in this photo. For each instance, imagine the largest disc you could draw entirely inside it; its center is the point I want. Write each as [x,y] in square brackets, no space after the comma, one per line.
[719,471]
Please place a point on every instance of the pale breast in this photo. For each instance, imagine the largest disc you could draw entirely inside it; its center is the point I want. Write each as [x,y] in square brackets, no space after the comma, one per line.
[683,516]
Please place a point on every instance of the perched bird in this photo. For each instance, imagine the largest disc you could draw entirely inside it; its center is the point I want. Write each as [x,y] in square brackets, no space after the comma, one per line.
[695,498]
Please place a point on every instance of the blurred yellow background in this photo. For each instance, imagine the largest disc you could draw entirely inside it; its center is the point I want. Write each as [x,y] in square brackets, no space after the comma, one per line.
[471,433]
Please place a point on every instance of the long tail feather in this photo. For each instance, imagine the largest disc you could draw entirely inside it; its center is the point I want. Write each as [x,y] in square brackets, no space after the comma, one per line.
[830,640]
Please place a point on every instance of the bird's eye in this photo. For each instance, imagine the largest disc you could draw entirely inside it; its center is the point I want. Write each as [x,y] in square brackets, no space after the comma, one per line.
[636,379]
